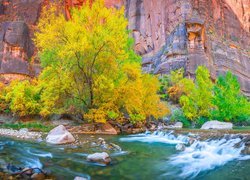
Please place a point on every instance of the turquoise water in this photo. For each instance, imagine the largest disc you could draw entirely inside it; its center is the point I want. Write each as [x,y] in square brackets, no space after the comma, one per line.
[142,157]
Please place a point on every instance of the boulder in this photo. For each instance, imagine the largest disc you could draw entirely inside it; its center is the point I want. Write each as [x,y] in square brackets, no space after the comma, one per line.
[38,176]
[246,150]
[191,141]
[59,135]
[80,178]
[217,125]
[115,147]
[180,147]
[109,129]
[102,158]
[177,125]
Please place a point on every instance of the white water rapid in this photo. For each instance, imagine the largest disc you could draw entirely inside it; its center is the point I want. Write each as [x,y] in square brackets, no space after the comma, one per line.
[198,157]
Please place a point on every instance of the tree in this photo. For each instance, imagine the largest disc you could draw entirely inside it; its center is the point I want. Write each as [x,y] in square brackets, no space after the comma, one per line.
[23,97]
[229,103]
[90,68]
[198,103]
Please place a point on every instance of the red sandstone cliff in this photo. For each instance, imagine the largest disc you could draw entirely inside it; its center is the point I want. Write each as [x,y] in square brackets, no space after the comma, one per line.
[169,34]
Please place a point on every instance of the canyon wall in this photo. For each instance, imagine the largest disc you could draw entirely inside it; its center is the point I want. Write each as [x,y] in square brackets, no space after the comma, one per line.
[169,34]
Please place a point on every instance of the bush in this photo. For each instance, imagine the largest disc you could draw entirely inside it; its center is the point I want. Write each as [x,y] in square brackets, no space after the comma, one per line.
[175,92]
[23,98]
[200,121]
[178,115]
[4,106]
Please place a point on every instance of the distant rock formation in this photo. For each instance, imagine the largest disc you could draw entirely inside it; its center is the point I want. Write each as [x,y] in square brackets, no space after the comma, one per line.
[169,34]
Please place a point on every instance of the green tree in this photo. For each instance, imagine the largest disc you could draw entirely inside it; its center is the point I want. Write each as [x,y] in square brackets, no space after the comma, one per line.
[229,103]
[198,103]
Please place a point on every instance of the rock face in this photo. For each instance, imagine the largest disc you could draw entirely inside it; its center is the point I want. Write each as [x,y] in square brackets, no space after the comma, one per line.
[16,48]
[59,135]
[217,125]
[169,34]
[17,21]
[173,34]
[102,158]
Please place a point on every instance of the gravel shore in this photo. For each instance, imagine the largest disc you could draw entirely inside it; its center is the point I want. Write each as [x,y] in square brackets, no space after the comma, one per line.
[21,134]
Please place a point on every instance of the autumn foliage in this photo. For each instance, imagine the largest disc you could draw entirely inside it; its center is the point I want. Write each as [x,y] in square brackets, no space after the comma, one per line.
[89,70]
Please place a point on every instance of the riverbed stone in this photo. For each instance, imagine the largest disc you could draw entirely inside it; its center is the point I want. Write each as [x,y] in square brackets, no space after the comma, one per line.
[107,128]
[99,158]
[191,141]
[177,125]
[23,130]
[60,135]
[217,125]
[180,147]
[246,150]
[79,178]
[38,176]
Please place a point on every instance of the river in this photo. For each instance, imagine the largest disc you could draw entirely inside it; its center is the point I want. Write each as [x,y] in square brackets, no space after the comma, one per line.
[143,156]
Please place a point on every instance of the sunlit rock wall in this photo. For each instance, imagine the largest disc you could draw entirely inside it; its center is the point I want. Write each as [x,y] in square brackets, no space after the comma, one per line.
[169,34]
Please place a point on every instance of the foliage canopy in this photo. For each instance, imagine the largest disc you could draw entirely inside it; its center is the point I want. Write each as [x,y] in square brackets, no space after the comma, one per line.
[90,68]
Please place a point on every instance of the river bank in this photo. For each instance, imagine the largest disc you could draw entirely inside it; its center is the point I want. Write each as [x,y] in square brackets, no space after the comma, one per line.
[23,133]
[29,134]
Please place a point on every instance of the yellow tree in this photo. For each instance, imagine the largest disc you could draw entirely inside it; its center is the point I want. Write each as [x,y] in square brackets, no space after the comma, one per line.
[87,61]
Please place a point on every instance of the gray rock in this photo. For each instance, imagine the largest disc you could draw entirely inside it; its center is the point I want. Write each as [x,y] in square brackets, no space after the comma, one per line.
[191,141]
[38,176]
[246,150]
[217,125]
[177,125]
[115,147]
[80,178]
[23,130]
[180,147]
[99,158]
[59,135]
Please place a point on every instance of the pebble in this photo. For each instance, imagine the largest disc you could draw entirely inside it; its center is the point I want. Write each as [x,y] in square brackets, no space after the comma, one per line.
[20,134]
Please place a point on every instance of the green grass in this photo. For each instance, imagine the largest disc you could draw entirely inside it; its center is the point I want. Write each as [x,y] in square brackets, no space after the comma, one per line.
[242,128]
[34,126]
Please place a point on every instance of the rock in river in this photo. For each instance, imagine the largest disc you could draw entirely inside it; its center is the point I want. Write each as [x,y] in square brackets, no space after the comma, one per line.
[180,147]
[38,176]
[217,125]
[59,135]
[102,158]
[79,178]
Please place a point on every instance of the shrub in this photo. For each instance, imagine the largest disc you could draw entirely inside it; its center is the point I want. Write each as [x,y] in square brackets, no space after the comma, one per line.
[178,115]
[200,121]
[23,98]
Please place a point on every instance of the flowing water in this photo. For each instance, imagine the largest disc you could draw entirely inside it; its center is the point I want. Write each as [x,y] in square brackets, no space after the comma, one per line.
[143,156]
